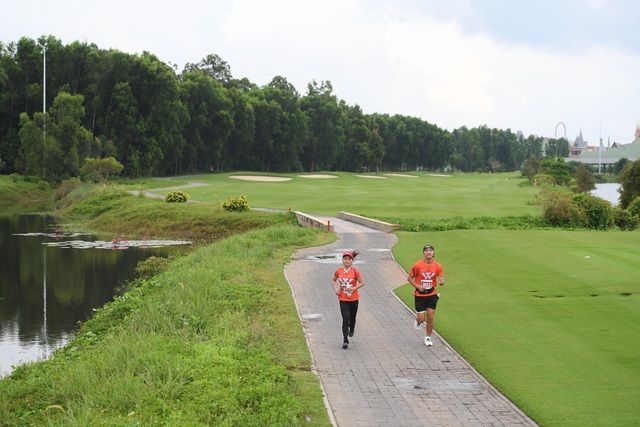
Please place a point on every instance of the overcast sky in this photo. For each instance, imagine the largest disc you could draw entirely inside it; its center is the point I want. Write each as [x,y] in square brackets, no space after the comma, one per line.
[509,64]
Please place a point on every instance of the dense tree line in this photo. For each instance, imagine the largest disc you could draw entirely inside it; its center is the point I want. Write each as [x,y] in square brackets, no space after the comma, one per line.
[156,121]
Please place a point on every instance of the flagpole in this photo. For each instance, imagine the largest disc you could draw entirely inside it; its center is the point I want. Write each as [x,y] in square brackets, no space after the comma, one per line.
[600,150]
[599,159]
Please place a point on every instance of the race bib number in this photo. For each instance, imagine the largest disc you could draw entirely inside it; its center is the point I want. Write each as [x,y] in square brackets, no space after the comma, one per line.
[428,284]
[345,286]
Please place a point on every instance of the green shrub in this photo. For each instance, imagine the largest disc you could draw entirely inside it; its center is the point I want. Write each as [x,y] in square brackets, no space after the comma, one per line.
[44,185]
[237,204]
[152,266]
[176,196]
[625,220]
[66,187]
[598,212]
[526,222]
[14,177]
[558,209]
[634,207]
[542,179]
[99,170]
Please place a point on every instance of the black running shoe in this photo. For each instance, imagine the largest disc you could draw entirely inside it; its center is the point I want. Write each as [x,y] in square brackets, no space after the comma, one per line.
[351,331]
[345,344]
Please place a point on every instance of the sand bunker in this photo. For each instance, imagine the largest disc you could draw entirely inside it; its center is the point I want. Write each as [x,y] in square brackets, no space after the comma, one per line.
[260,178]
[402,175]
[371,176]
[317,176]
[437,174]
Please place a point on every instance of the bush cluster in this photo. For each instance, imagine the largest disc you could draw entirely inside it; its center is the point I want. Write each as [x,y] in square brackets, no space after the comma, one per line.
[634,206]
[44,185]
[625,220]
[66,187]
[153,266]
[565,209]
[526,222]
[237,204]
[542,179]
[176,196]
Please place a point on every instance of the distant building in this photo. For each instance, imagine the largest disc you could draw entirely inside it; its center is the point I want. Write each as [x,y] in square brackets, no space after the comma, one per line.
[581,152]
[580,142]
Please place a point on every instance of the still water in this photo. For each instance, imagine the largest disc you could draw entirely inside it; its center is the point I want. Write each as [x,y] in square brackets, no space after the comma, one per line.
[608,191]
[50,280]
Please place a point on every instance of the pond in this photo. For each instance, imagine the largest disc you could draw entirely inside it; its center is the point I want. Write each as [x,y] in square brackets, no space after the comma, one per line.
[608,191]
[51,279]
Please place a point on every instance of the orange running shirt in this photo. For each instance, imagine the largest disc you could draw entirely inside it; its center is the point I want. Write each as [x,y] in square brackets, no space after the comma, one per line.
[425,274]
[345,279]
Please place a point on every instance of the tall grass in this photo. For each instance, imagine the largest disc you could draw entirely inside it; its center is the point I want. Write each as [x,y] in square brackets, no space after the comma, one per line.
[18,194]
[212,341]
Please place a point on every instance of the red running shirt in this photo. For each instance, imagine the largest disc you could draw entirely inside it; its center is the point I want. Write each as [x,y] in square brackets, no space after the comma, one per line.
[425,275]
[346,279]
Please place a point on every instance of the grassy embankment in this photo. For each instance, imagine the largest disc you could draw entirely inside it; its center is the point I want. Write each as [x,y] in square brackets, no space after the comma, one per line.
[19,195]
[213,340]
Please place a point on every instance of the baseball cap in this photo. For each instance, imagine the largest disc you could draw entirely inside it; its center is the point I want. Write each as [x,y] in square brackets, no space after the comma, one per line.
[428,247]
[348,253]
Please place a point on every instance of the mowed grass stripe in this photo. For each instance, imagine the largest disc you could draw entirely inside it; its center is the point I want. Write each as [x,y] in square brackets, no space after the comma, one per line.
[555,331]
[427,196]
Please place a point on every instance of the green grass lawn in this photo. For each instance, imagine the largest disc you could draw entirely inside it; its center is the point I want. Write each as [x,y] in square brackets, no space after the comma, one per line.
[421,196]
[551,318]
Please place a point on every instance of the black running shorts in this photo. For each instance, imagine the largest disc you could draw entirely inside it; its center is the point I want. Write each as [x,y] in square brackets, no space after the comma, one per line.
[423,303]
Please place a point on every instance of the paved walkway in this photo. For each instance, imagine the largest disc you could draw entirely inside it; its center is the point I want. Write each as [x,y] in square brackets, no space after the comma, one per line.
[387,376]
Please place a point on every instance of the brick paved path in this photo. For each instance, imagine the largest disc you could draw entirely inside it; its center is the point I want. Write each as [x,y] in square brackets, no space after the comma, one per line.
[387,376]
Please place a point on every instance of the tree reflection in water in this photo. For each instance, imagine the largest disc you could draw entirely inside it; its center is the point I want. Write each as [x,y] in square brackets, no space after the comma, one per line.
[51,280]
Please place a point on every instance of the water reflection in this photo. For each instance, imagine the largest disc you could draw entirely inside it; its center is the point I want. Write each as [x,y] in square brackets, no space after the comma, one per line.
[47,285]
[608,191]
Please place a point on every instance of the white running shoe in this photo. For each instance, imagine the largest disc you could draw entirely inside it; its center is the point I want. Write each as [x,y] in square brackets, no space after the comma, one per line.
[416,325]
[427,341]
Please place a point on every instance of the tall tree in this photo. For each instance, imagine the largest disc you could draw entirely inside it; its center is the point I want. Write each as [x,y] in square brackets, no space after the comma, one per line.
[557,169]
[56,154]
[71,138]
[210,120]
[530,167]
[376,145]
[630,184]
[532,145]
[467,143]
[32,145]
[288,132]
[214,67]
[326,135]
[122,127]
[506,149]
[584,179]
[239,151]
[10,107]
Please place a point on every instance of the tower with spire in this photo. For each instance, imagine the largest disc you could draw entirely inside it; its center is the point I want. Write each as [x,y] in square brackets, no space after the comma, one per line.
[579,141]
